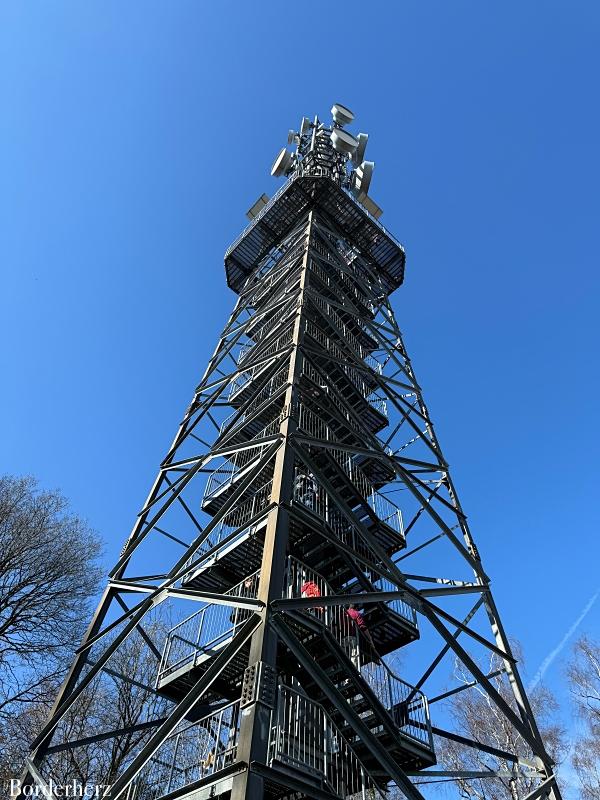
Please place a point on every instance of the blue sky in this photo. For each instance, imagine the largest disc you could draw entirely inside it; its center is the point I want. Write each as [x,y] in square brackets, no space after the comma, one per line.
[135,135]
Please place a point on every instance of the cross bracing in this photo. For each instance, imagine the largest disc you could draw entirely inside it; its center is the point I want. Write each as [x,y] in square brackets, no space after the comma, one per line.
[303,531]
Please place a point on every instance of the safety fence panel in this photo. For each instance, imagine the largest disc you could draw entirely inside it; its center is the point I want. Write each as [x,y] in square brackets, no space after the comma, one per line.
[205,630]
[192,752]
[304,737]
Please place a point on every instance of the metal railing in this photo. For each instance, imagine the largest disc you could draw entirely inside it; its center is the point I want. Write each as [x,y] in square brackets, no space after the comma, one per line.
[345,334]
[306,485]
[242,418]
[385,510]
[412,717]
[244,512]
[238,461]
[303,581]
[226,473]
[315,377]
[228,420]
[339,326]
[247,351]
[243,378]
[205,630]
[348,256]
[271,278]
[274,265]
[259,329]
[266,283]
[330,281]
[271,386]
[312,496]
[331,347]
[312,424]
[295,175]
[373,219]
[262,212]
[304,737]
[376,402]
[191,753]
[398,605]
[236,519]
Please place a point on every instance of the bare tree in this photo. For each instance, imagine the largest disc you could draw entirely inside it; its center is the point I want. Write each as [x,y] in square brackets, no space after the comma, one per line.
[48,572]
[110,721]
[477,717]
[583,673]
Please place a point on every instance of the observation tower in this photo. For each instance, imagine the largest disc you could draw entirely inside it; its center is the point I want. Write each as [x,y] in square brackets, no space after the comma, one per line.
[302,575]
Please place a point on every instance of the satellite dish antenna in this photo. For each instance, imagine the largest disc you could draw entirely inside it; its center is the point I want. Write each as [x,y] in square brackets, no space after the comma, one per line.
[343,141]
[341,114]
[359,153]
[362,177]
[304,126]
[282,163]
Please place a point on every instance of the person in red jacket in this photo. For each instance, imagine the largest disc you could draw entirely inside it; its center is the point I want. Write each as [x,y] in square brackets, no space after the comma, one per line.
[358,621]
[310,589]
[357,617]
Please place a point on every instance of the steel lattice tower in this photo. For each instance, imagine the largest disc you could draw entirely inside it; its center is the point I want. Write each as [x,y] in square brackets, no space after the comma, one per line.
[304,508]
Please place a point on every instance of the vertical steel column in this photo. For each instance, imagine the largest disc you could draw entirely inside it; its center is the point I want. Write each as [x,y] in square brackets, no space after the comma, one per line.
[256,718]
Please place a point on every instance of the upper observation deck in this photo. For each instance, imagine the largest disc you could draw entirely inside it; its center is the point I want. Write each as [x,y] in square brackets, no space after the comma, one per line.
[301,193]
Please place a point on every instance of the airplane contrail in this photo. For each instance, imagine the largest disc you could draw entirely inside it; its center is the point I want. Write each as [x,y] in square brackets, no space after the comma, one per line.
[554,653]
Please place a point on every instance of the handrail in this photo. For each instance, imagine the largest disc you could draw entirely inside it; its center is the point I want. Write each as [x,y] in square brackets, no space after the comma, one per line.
[261,213]
[256,345]
[272,385]
[193,751]
[315,377]
[357,296]
[354,375]
[282,189]
[304,581]
[204,630]
[243,378]
[387,511]
[236,519]
[406,705]
[238,461]
[303,736]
